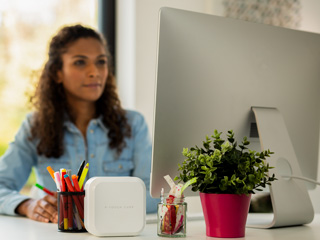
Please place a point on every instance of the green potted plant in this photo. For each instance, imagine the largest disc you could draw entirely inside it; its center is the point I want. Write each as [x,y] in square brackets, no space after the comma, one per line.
[226,175]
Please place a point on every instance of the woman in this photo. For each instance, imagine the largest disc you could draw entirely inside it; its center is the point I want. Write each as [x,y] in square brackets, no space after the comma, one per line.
[78,117]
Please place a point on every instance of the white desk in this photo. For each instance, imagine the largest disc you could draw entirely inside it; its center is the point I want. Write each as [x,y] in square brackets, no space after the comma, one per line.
[23,228]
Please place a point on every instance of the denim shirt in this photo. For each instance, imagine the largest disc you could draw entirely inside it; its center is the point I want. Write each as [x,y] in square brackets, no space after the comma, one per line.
[21,156]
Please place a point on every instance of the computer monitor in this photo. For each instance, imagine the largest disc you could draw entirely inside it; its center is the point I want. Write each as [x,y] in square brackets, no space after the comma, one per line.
[212,71]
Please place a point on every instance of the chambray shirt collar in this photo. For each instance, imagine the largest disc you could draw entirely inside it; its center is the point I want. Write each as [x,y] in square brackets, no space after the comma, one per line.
[100,123]
[72,128]
[69,125]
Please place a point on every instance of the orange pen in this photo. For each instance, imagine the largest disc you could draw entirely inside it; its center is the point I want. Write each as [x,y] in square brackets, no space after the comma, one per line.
[50,170]
[76,183]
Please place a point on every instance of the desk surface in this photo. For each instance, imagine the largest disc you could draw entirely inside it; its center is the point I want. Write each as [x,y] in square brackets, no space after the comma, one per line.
[23,228]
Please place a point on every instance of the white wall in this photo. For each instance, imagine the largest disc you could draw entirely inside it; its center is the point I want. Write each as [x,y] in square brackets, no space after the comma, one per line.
[125,50]
[310,15]
[136,49]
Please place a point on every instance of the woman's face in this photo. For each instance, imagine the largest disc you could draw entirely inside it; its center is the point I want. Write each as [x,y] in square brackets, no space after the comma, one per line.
[84,70]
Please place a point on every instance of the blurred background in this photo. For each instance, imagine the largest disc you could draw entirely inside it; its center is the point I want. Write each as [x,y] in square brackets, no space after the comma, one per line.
[25,30]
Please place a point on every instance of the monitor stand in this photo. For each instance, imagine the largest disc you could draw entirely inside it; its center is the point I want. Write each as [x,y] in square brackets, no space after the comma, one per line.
[290,199]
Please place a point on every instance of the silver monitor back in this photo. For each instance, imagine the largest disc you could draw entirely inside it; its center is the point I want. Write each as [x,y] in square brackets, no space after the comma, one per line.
[212,70]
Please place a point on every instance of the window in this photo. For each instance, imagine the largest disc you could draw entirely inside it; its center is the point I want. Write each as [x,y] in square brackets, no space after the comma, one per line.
[25,30]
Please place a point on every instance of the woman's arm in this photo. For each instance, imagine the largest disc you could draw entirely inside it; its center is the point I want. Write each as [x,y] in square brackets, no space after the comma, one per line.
[15,168]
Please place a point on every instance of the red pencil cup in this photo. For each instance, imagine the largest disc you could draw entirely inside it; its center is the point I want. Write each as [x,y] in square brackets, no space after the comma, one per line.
[71,211]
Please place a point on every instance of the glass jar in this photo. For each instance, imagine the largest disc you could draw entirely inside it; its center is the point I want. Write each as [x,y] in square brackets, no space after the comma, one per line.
[172,215]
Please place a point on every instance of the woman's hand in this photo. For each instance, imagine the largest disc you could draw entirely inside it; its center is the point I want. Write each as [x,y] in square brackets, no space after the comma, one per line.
[42,210]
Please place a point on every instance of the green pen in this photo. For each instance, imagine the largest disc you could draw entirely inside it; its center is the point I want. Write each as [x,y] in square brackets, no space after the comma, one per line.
[44,189]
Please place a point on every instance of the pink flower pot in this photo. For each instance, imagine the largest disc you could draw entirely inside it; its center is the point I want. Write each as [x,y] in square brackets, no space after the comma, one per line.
[225,215]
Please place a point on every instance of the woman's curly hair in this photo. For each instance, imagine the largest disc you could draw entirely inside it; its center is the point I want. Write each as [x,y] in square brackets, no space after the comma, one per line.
[50,102]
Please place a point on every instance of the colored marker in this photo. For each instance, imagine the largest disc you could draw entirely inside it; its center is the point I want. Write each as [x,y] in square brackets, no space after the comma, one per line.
[65,199]
[44,189]
[75,199]
[58,180]
[68,171]
[83,175]
[81,168]
[58,183]
[70,209]
[77,188]
[63,184]
[76,183]
[76,215]
[50,170]
[68,182]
